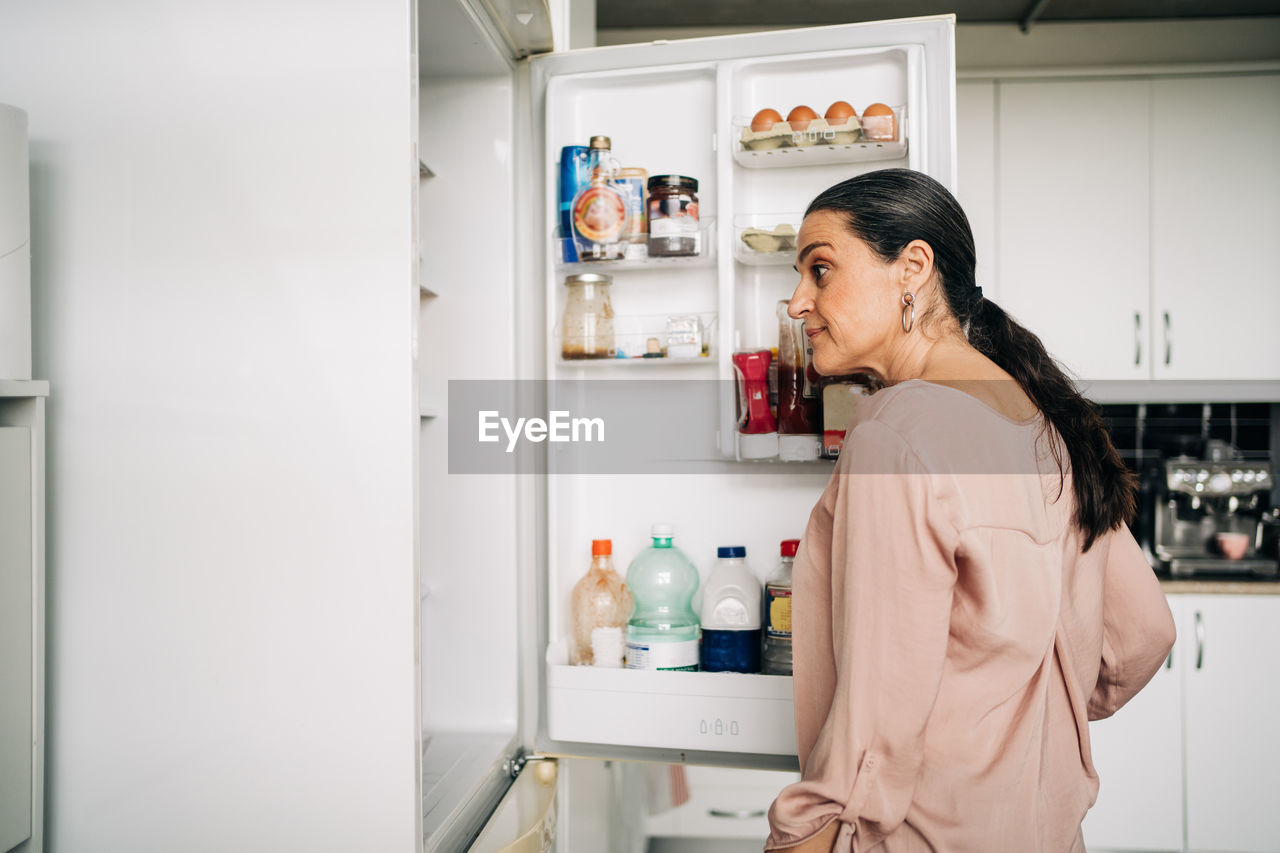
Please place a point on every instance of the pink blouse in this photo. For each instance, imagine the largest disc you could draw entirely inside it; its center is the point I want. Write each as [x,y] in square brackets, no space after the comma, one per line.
[951,640]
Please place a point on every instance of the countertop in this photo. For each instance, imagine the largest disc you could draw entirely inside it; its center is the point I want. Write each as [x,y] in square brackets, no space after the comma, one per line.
[1202,586]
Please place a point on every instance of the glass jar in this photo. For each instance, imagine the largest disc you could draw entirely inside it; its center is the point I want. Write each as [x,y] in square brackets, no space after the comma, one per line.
[673,216]
[586,328]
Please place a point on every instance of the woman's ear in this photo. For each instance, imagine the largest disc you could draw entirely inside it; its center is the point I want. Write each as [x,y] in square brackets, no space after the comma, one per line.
[917,261]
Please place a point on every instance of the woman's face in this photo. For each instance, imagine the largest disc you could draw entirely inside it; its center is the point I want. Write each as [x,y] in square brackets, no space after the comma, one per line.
[849,299]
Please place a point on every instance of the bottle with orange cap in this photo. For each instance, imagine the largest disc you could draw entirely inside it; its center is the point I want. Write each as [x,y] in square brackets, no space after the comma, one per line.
[600,607]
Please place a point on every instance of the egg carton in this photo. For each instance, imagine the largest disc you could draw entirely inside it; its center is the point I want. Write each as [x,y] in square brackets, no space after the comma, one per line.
[820,141]
[766,239]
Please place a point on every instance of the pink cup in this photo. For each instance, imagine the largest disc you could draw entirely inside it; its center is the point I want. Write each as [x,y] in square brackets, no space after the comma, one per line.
[1233,545]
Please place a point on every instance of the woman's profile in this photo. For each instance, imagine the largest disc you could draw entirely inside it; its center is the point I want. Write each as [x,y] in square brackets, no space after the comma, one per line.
[967,595]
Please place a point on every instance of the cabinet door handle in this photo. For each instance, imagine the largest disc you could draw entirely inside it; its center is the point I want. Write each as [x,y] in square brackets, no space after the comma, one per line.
[1137,338]
[737,814]
[1168,339]
[1199,640]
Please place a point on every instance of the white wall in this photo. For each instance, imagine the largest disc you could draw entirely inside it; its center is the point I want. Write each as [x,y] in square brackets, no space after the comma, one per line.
[224,303]
[987,46]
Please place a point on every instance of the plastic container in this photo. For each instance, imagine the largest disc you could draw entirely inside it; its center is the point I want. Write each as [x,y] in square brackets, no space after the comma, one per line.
[663,632]
[766,239]
[731,615]
[777,613]
[600,607]
[650,340]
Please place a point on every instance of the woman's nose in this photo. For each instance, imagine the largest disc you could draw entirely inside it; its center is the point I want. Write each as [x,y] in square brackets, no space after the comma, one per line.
[800,304]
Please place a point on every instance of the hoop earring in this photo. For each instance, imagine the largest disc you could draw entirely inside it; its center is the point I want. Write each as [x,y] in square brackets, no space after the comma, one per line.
[908,311]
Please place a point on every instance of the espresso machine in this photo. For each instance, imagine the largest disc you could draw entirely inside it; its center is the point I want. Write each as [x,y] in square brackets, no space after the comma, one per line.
[1208,515]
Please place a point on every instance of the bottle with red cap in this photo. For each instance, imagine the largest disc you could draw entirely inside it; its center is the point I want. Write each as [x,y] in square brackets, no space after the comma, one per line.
[777,613]
[600,607]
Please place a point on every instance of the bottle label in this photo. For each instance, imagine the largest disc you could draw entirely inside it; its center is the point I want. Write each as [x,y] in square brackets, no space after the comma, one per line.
[678,656]
[599,214]
[778,606]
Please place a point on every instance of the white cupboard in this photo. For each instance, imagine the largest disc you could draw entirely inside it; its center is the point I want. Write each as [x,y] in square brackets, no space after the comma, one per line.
[1193,763]
[1215,217]
[1137,753]
[1132,245]
[1072,219]
[976,173]
[1232,690]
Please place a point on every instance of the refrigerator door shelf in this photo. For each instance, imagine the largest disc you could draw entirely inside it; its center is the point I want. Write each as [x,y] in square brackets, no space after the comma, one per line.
[820,147]
[689,711]
[565,249]
[673,334]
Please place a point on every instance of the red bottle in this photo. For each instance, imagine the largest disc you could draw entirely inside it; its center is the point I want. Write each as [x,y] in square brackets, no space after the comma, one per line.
[757,430]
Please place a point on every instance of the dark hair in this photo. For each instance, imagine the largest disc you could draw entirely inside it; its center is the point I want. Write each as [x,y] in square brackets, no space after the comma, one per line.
[889,208]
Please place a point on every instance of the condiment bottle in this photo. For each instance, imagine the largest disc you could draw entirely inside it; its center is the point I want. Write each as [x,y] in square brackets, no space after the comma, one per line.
[799,420]
[731,615]
[663,630]
[757,430]
[600,606]
[777,613]
[586,327]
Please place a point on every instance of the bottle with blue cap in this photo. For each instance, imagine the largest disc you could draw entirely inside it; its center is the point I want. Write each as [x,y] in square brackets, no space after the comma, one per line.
[731,615]
[663,630]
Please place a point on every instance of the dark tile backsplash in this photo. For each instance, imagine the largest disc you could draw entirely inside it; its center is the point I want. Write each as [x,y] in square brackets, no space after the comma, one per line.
[1165,429]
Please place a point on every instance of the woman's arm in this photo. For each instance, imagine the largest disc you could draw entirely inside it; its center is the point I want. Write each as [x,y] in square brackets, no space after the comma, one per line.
[892,580]
[823,842]
[1137,627]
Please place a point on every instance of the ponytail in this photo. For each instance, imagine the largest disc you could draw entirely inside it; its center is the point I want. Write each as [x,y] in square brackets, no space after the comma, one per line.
[889,208]
[1104,487]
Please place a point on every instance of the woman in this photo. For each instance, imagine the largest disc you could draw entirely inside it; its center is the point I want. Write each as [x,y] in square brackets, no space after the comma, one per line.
[967,595]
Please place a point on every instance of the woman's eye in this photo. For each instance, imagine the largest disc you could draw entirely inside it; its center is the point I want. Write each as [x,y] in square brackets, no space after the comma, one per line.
[818,270]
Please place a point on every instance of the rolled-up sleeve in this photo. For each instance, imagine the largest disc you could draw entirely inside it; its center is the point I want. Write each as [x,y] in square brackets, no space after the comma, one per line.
[893,573]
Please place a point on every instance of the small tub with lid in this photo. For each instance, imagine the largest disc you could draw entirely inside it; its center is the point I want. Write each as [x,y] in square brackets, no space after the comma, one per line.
[673,216]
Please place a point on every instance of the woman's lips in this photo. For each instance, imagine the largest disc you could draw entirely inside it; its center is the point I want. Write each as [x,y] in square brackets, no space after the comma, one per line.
[813,333]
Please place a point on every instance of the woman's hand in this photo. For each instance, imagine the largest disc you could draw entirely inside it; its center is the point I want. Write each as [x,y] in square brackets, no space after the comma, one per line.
[820,843]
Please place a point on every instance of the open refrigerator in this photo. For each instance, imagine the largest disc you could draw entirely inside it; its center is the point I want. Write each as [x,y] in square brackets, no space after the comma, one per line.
[500,554]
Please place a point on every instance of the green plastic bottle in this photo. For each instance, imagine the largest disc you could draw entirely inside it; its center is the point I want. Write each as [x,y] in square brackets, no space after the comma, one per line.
[663,631]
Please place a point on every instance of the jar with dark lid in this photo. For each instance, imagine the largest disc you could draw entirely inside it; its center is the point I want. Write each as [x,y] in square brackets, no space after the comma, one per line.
[673,216]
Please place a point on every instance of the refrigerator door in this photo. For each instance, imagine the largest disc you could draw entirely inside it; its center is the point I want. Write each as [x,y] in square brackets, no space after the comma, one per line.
[684,107]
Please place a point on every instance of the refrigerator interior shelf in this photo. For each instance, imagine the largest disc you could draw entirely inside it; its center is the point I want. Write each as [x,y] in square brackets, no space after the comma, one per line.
[813,149]
[564,248]
[711,711]
[634,336]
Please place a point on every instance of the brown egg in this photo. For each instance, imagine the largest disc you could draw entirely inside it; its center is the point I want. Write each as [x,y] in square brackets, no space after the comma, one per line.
[840,113]
[879,124]
[765,120]
[800,117]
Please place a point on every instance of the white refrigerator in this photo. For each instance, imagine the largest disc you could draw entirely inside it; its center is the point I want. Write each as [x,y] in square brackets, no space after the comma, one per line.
[501,552]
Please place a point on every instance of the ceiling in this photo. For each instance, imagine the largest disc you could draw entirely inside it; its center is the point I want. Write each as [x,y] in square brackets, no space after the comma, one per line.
[622,14]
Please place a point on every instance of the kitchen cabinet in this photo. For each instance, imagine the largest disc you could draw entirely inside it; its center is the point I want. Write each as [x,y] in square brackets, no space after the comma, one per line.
[22,615]
[1137,753]
[1181,767]
[1215,214]
[1073,220]
[1134,251]
[1231,689]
